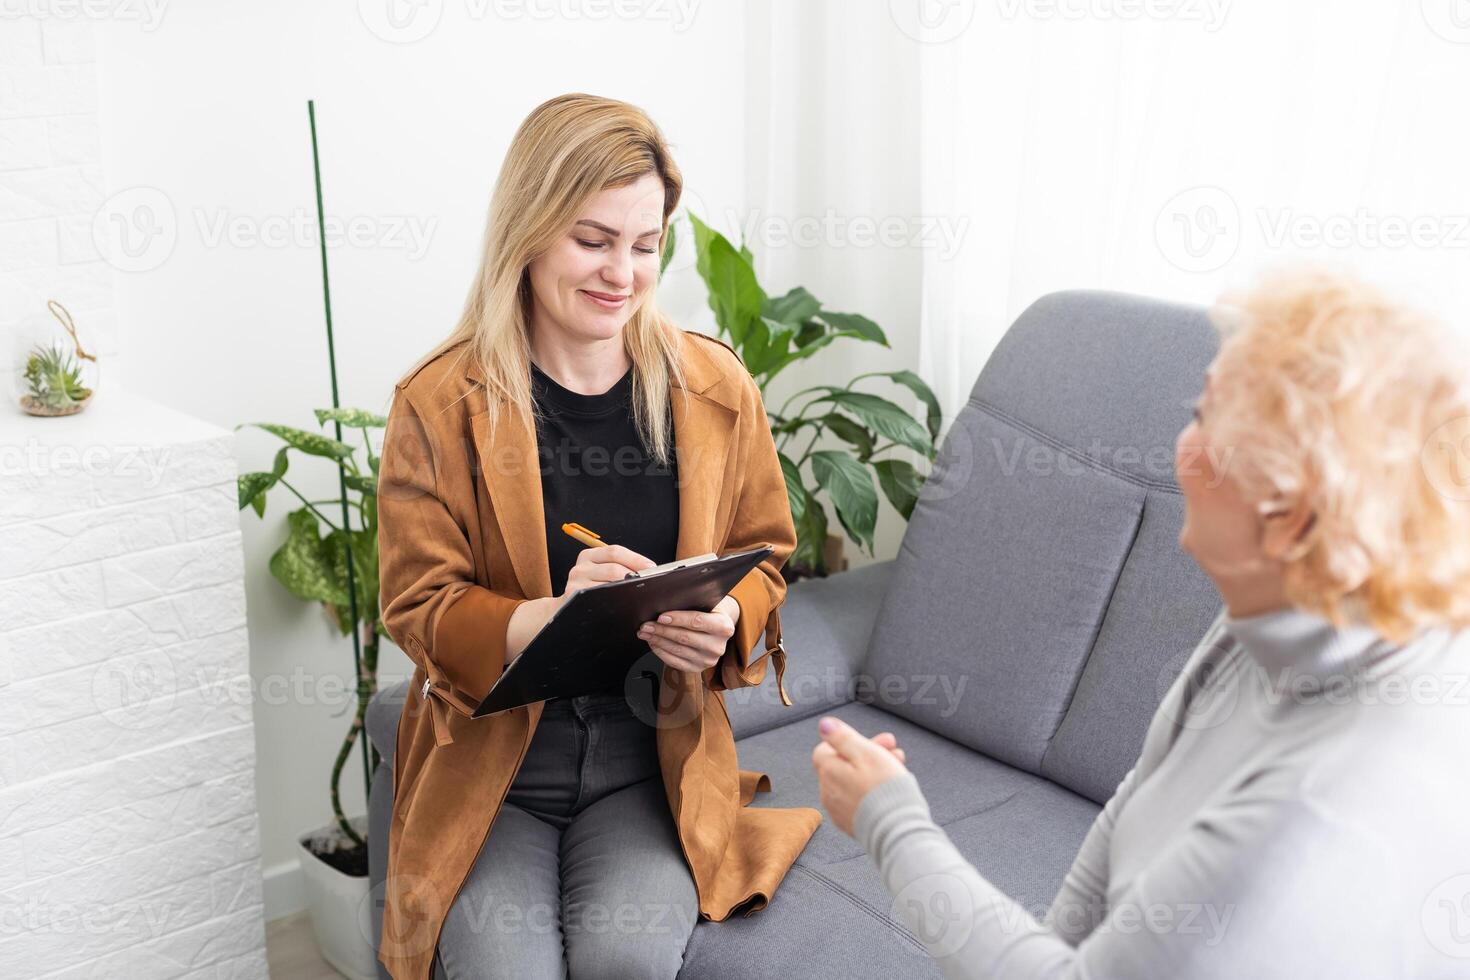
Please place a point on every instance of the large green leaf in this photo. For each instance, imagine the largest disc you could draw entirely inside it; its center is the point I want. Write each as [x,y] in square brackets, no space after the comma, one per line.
[308,442]
[251,487]
[901,483]
[916,384]
[364,568]
[810,331]
[362,484]
[309,565]
[850,432]
[734,295]
[794,308]
[857,325]
[811,533]
[355,418]
[885,417]
[850,486]
[795,489]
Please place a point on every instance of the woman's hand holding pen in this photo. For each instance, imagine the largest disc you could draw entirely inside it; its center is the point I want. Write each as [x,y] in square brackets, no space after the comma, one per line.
[685,639]
[604,563]
[601,563]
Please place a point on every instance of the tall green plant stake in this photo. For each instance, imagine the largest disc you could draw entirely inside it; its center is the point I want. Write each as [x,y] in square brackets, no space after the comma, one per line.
[339,570]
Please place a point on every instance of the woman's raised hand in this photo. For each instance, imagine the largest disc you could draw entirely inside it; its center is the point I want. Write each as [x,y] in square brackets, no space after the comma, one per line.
[605,563]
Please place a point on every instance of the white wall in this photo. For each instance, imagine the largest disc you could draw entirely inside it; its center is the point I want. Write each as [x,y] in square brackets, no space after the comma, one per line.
[833,202]
[205,113]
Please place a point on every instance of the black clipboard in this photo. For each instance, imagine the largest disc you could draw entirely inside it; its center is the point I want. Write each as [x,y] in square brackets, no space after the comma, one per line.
[591,643]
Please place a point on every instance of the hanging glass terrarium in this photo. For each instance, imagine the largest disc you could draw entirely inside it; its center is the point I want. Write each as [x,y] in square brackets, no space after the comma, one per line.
[57,375]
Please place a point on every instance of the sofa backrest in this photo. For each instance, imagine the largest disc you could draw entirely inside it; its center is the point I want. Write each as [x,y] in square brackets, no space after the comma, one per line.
[1040,603]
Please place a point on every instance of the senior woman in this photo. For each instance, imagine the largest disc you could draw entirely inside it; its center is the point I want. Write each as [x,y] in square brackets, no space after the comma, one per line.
[587,834]
[1304,786]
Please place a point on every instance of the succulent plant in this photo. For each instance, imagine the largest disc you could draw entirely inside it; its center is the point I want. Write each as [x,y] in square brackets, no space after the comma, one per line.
[55,377]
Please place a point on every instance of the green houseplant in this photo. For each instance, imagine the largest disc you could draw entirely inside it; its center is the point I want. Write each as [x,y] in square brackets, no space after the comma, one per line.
[338,568]
[330,556]
[773,332]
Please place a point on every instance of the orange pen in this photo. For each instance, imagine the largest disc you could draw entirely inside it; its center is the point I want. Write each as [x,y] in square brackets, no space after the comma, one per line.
[589,538]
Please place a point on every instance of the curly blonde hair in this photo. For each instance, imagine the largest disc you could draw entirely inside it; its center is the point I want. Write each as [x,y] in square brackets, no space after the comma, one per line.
[1330,393]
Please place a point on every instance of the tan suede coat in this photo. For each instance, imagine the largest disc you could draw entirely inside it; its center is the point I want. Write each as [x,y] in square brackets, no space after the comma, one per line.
[462,543]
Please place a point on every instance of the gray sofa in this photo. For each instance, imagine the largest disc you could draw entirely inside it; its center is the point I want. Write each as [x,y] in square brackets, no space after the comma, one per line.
[1037,610]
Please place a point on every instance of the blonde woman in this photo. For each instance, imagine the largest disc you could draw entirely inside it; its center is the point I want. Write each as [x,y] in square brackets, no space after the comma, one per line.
[1300,805]
[586,834]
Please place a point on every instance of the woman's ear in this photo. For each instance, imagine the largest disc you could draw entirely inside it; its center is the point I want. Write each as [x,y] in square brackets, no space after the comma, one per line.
[1283,526]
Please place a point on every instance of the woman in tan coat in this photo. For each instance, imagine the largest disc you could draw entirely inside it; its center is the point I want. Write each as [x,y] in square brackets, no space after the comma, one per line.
[586,834]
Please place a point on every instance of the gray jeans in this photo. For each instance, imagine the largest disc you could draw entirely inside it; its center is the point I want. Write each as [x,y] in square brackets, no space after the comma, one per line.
[582,874]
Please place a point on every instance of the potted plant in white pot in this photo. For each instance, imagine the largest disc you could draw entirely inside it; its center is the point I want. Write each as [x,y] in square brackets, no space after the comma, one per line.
[339,570]
[330,556]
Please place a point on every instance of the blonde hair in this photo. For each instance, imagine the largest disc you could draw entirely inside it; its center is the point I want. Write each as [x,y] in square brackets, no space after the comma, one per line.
[567,150]
[1329,393]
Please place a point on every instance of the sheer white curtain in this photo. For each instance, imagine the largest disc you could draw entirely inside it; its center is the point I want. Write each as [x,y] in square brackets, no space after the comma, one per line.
[1164,147]
[1173,147]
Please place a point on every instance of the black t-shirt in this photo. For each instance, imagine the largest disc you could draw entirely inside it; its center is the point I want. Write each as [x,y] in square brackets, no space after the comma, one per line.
[596,472]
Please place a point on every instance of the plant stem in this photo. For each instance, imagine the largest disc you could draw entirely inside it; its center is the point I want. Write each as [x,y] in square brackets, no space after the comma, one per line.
[815,436]
[319,515]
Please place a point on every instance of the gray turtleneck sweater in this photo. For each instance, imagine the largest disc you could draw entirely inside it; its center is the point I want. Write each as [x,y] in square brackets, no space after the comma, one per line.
[1300,808]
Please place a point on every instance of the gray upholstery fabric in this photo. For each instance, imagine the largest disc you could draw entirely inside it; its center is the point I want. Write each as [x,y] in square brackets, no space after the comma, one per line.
[1160,609]
[382,728]
[1111,375]
[1041,569]
[382,718]
[825,626]
[1017,828]
[999,589]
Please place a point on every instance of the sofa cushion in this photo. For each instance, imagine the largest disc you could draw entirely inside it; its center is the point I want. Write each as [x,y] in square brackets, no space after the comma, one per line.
[1162,606]
[381,720]
[825,625]
[999,588]
[1005,560]
[1019,830]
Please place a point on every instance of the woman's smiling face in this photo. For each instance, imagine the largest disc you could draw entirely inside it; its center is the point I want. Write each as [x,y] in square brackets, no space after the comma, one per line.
[592,279]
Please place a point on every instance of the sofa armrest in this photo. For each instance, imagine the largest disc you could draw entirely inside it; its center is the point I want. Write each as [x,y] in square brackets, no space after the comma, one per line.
[825,626]
[381,720]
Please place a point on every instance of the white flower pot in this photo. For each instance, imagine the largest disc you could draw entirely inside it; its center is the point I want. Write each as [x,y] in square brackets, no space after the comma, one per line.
[340,912]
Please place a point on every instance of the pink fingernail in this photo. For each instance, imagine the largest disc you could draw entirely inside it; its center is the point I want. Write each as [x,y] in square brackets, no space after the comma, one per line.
[826,725]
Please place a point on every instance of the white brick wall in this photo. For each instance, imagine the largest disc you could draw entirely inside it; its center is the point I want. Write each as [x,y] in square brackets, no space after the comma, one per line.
[50,187]
[129,841]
